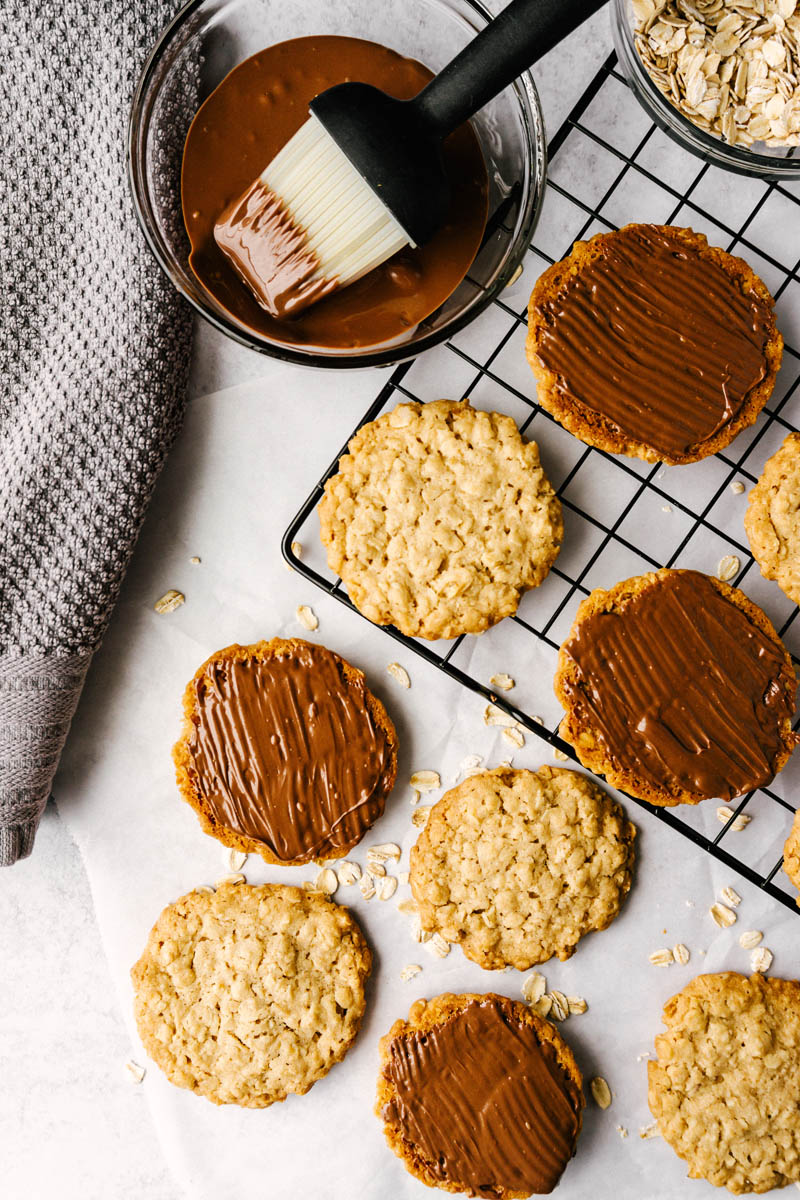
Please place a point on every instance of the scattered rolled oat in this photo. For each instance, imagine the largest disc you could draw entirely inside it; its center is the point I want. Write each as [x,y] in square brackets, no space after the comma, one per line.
[327,881]
[469,766]
[495,716]
[750,938]
[135,1072]
[420,817]
[577,1005]
[667,508]
[740,822]
[400,674]
[601,1092]
[502,681]
[386,887]
[560,755]
[438,946]
[543,1005]
[410,971]
[403,878]
[349,873]
[366,886]
[731,897]
[761,959]
[661,958]
[724,815]
[425,781]
[195,561]
[722,915]
[235,878]
[533,987]
[560,1009]
[737,487]
[515,737]
[681,954]
[297,549]
[418,933]
[728,567]
[376,869]
[235,859]
[307,617]
[205,887]
[169,601]
[383,852]
[649,1131]
[730,66]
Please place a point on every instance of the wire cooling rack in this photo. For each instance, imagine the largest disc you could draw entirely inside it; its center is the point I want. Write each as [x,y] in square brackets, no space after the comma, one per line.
[609,165]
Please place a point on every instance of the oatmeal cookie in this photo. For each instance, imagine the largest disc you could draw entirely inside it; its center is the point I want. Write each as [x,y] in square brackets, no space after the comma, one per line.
[439,518]
[249,993]
[517,866]
[772,520]
[649,342]
[791,853]
[461,1078]
[284,751]
[724,1087]
[677,688]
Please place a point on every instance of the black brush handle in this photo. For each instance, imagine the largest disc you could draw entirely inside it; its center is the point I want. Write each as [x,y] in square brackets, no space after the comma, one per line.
[520,35]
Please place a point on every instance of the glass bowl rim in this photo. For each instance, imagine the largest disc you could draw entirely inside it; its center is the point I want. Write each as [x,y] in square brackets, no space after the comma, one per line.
[711,149]
[534,130]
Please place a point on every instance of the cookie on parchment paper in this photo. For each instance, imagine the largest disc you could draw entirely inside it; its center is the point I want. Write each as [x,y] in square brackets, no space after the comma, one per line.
[284,751]
[772,519]
[677,688]
[724,1087]
[459,1082]
[250,993]
[647,341]
[517,866]
[439,518]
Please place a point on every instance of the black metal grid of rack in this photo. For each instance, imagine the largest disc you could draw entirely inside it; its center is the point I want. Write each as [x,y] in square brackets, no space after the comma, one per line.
[763,233]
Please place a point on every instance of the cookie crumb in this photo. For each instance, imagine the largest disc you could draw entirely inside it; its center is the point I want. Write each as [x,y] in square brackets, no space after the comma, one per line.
[135,1072]
[649,1131]
[419,817]
[622,1131]
[195,561]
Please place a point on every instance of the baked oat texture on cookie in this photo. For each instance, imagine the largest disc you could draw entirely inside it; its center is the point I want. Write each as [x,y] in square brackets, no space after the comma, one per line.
[517,866]
[791,853]
[724,1088]
[591,425]
[250,993]
[772,520]
[439,518]
[426,1017]
[589,743]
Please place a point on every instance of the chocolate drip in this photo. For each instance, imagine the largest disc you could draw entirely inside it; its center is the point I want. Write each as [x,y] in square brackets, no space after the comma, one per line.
[484,1102]
[657,339]
[682,689]
[287,752]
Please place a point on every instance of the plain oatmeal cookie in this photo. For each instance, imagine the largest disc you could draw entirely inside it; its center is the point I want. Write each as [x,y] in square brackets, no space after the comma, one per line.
[517,866]
[249,993]
[791,853]
[772,520]
[439,518]
[724,1087]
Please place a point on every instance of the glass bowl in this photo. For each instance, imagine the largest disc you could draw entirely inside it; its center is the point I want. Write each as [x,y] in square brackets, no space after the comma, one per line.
[210,37]
[769,163]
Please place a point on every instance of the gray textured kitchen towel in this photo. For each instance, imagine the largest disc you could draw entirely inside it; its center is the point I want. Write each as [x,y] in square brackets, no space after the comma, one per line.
[94,350]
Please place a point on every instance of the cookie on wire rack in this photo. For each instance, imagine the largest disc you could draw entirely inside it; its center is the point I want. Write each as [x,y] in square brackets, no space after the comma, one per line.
[248,994]
[772,519]
[677,688]
[284,751]
[647,341]
[724,1086]
[480,1095]
[516,866]
[439,518]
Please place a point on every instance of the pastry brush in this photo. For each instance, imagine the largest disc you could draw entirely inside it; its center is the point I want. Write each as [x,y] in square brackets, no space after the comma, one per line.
[364,176]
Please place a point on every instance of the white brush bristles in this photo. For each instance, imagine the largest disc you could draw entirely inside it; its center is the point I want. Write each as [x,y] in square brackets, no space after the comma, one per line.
[348,229]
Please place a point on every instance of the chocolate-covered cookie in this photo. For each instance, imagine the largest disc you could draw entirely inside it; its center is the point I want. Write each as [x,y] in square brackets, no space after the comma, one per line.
[284,751]
[480,1095]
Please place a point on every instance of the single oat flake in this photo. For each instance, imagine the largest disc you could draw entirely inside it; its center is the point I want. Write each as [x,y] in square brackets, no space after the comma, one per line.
[399,674]
[577,1005]
[349,873]
[502,681]
[135,1072]
[327,881]
[514,737]
[601,1092]
[728,568]
[661,958]
[366,886]
[737,487]
[410,971]
[235,878]
[235,860]
[386,887]
[169,601]
[533,987]
[307,617]
[426,781]
[681,954]
[731,897]
[761,960]
[560,1009]
[495,716]
[438,946]
[750,939]
[722,915]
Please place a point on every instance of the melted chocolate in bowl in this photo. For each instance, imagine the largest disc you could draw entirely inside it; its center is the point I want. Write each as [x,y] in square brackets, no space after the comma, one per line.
[242,125]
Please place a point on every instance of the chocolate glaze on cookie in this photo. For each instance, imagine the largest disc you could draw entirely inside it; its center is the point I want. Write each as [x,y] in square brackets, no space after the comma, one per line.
[682,688]
[484,1102]
[656,338]
[286,750]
